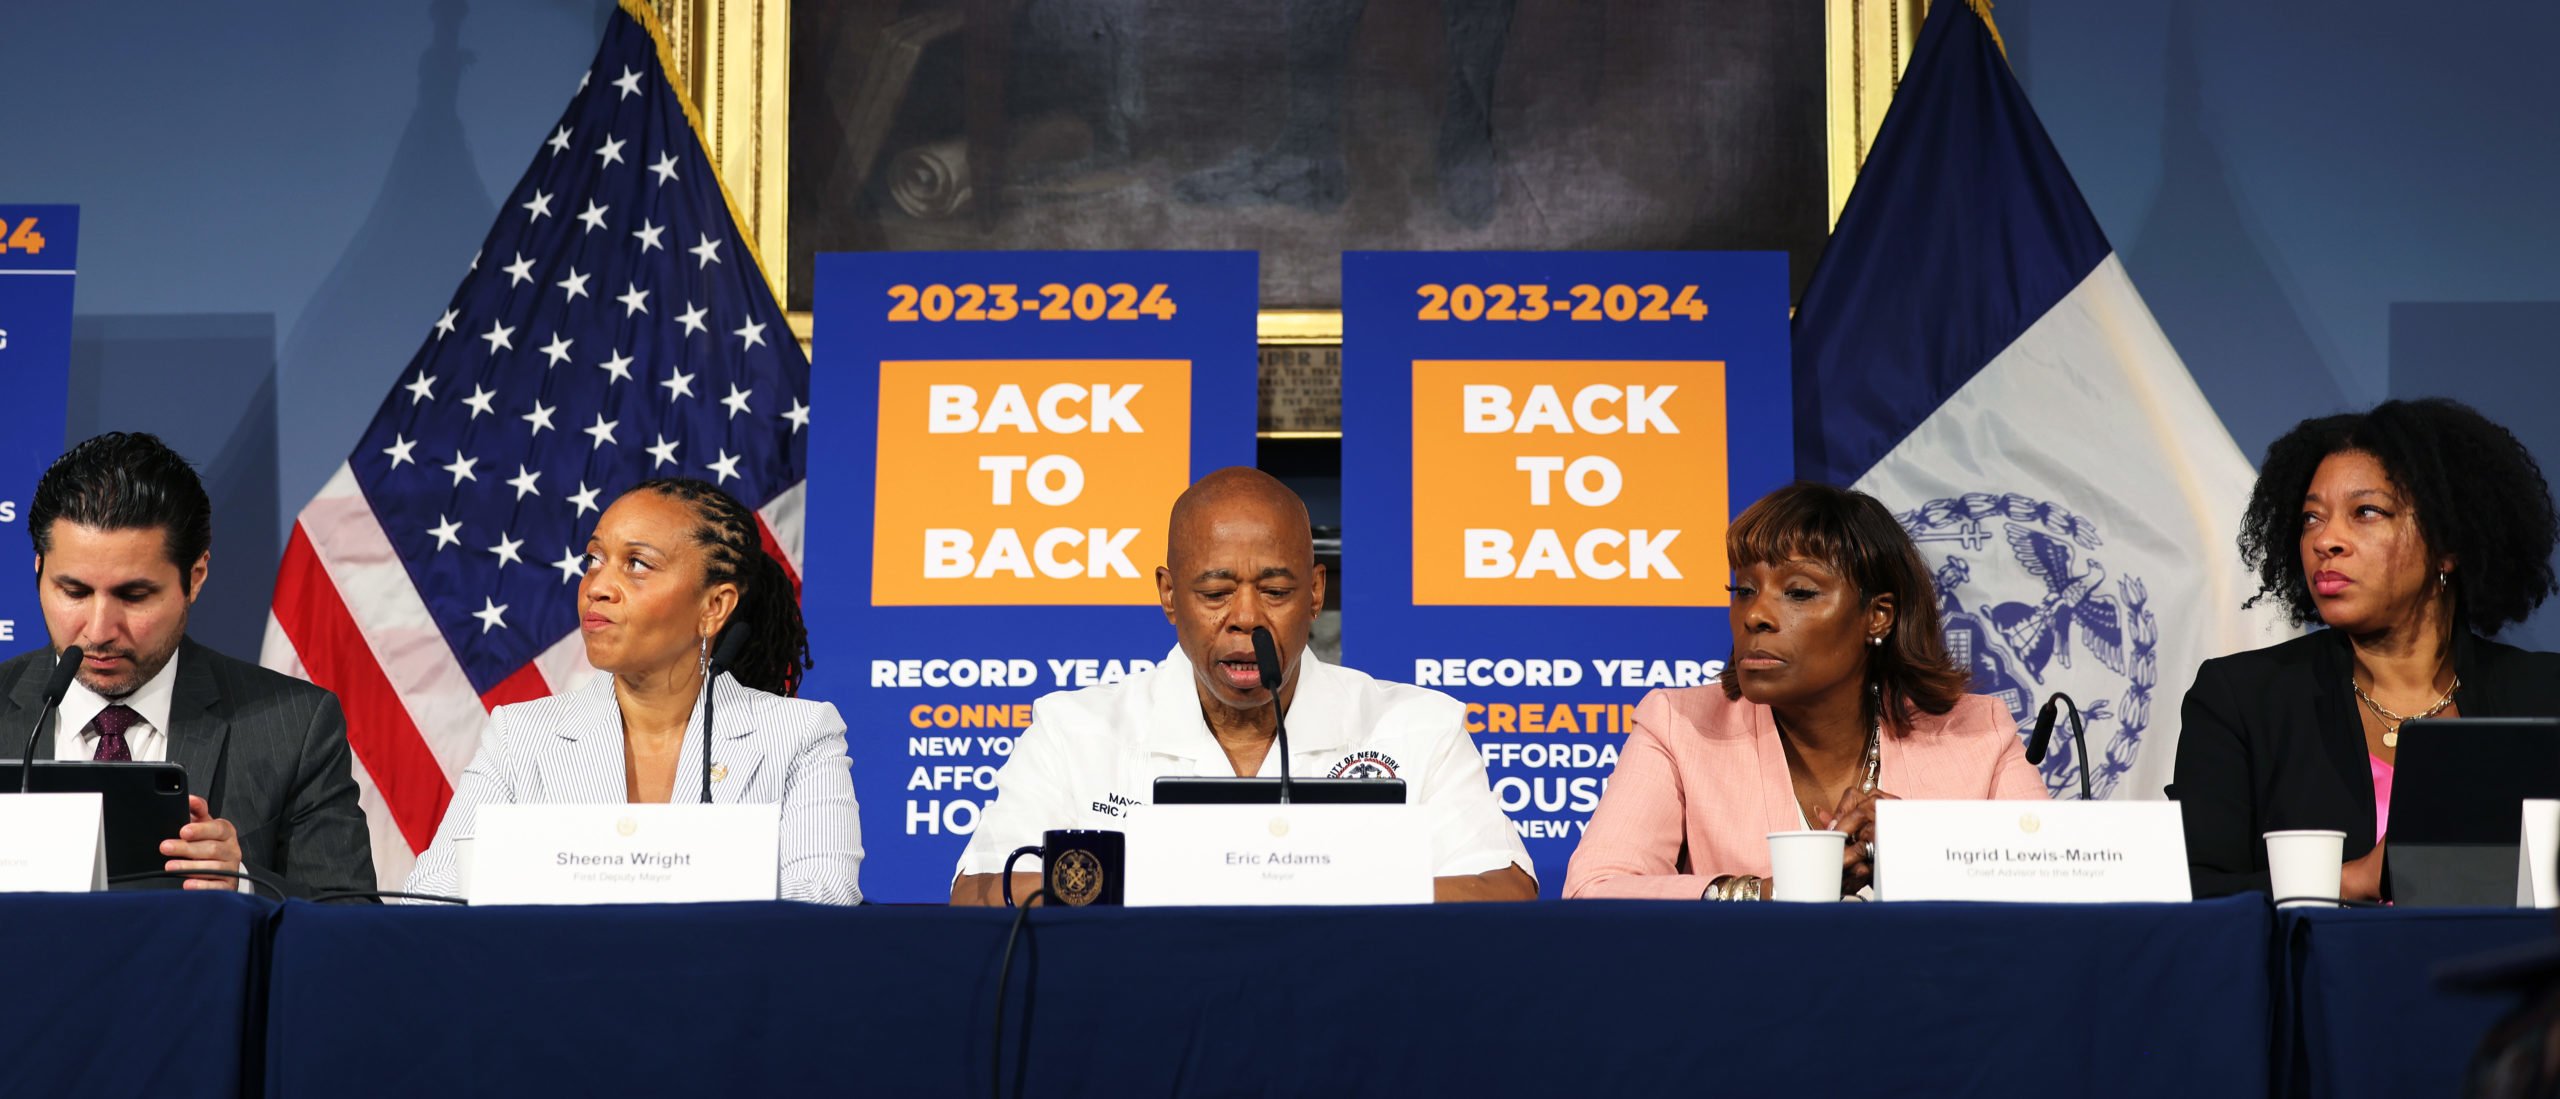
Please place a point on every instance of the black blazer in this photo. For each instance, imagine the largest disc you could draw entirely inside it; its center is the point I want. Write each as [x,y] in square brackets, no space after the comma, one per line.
[266,751]
[2270,739]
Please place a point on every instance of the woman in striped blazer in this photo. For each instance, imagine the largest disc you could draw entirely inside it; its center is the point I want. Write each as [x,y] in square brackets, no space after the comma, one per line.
[671,564]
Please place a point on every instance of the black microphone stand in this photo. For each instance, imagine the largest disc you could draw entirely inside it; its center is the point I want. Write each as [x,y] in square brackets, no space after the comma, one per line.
[723,654]
[1266,664]
[2043,738]
[55,686]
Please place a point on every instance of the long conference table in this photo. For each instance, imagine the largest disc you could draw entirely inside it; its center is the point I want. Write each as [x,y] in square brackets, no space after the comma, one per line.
[219,995]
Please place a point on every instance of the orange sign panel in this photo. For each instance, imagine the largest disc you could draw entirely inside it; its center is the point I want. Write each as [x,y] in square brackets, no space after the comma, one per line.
[1024,482]
[1568,484]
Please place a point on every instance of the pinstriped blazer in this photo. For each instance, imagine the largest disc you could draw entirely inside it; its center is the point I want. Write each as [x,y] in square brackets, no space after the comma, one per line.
[567,749]
[266,751]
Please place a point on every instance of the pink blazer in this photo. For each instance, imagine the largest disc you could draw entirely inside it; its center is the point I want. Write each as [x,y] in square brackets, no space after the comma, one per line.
[1706,773]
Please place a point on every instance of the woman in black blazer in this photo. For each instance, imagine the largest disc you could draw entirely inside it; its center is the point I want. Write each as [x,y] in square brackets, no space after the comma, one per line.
[2411,532]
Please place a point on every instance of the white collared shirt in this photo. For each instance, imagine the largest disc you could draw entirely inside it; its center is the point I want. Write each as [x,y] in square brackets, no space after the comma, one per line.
[148,740]
[1091,754]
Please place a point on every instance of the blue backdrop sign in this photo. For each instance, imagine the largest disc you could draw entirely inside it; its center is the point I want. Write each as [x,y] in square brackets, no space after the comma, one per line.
[1541,452]
[39,251]
[1004,436]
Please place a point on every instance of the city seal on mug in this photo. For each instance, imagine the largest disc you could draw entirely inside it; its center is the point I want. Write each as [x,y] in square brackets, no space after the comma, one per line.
[1078,878]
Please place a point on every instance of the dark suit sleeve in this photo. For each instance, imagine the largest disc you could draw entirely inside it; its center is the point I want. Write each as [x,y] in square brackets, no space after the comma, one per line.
[325,846]
[2213,789]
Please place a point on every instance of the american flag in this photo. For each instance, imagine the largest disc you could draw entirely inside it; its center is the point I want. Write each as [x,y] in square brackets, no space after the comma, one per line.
[615,326]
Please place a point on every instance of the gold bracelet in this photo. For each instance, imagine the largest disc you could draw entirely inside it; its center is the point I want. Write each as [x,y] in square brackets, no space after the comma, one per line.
[1753,885]
[1718,888]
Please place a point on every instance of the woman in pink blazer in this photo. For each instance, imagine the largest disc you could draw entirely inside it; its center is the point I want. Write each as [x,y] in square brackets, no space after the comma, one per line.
[1840,689]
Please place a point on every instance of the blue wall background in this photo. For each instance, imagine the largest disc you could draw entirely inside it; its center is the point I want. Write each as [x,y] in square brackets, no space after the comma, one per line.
[276,200]
[2325,206]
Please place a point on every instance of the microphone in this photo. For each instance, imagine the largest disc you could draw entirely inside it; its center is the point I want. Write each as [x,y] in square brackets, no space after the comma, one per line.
[1266,663]
[733,640]
[2043,737]
[55,686]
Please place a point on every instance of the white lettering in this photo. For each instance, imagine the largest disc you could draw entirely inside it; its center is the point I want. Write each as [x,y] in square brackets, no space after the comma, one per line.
[950,409]
[1485,409]
[1539,468]
[1002,466]
[1111,407]
[1644,407]
[946,553]
[1008,409]
[1577,481]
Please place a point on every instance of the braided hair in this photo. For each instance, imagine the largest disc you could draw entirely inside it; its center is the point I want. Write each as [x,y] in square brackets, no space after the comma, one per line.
[777,645]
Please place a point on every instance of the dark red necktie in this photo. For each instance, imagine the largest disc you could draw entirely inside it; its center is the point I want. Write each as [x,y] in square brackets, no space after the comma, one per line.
[110,725]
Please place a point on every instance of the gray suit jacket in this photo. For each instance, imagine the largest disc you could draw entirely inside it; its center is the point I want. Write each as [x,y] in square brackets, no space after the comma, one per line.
[266,751]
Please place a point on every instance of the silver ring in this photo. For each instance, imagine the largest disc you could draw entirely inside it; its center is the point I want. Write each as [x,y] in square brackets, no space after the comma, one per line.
[1871,850]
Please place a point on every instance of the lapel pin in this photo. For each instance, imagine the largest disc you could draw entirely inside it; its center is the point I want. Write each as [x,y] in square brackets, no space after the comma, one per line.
[719,772]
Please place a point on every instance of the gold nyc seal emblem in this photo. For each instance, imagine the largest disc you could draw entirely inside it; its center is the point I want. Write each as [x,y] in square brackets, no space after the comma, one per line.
[1076,877]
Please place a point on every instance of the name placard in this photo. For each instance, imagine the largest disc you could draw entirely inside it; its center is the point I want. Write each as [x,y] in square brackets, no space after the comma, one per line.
[2539,845]
[1278,854]
[52,843]
[625,854]
[2068,851]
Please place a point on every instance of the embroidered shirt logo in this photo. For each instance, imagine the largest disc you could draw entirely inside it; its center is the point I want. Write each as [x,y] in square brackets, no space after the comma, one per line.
[1365,765]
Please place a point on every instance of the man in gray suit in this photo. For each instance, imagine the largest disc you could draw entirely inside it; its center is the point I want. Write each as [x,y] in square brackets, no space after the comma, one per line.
[123,537]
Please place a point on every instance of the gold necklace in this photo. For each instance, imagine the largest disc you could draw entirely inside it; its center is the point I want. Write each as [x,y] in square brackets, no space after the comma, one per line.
[1870,770]
[2392,722]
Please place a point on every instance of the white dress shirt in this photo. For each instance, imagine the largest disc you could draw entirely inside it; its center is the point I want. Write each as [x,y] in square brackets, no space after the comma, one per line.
[148,740]
[1091,754]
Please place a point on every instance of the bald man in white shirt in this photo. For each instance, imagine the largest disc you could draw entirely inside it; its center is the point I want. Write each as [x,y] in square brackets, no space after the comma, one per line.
[1240,554]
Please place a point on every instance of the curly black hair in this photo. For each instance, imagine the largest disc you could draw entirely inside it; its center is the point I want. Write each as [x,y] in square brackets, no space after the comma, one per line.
[2477,492]
[777,644]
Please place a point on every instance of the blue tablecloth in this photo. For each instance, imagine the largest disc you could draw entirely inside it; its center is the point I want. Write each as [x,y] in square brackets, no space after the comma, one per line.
[130,993]
[1552,998]
[2364,1015]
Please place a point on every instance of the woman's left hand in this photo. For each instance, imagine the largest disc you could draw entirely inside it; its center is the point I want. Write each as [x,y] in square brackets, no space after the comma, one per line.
[1856,817]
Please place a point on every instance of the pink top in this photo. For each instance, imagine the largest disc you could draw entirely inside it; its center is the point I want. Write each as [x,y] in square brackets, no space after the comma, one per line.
[2381,797]
[1702,782]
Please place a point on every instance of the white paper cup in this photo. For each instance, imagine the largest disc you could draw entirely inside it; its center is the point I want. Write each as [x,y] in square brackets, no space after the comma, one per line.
[1805,866]
[2304,863]
[462,867]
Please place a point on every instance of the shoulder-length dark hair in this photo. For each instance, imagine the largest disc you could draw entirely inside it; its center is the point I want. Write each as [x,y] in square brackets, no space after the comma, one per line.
[2477,492]
[1855,536]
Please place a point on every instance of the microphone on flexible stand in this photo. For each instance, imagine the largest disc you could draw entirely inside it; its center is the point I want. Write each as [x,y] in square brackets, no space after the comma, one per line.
[55,686]
[1266,664]
[2043,738]
[733,639]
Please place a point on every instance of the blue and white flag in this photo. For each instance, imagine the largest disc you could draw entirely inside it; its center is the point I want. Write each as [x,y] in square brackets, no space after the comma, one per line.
[1971,353]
